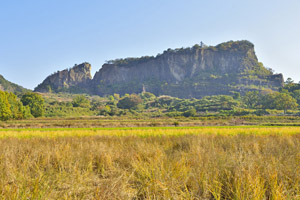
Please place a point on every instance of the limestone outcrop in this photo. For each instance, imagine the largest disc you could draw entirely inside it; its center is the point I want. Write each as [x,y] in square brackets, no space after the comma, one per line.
[72,80]
[186,73]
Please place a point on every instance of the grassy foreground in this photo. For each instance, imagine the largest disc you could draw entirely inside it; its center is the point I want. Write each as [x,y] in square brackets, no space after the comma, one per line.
[151,163]
[148,131]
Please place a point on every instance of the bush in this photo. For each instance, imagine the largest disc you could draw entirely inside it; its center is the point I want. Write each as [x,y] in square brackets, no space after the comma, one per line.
[190,113]
[176,124]
[81,101]
[129,102]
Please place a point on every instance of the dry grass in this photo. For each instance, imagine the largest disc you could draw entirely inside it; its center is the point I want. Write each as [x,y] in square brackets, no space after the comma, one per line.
[147,131]
[98,121]
[196,166]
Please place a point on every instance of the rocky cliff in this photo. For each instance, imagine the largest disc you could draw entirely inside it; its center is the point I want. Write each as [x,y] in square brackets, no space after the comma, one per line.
[186,73]
[73,80]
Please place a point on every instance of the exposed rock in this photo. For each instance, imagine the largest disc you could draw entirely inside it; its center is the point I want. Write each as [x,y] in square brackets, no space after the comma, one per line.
[188,73]
[73,80]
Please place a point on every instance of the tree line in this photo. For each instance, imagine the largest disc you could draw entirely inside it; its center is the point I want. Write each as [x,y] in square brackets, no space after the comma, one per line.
[30,105]
[285,101]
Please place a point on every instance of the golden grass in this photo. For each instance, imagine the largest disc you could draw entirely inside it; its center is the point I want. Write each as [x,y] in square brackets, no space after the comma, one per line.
[161,163]
[147,132]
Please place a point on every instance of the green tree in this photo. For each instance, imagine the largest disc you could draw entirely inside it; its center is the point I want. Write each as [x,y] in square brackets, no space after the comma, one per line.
[284,102]
[289,81]
[130,102]
[16,106]
[26,112]
[190,113]
[236,95]
[81,101]
[296,95]
[35,102]
[148,96]
[252,99]
[279,101]
[5,112]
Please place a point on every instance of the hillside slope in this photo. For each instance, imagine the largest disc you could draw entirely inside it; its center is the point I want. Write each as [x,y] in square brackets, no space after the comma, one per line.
[8,86]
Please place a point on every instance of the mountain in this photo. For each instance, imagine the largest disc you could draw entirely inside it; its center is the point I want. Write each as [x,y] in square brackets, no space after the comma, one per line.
[8,86]
[186,73]
[74,80]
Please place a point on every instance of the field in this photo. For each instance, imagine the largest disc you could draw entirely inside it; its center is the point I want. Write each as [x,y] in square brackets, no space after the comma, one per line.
[245,162]
[109,121]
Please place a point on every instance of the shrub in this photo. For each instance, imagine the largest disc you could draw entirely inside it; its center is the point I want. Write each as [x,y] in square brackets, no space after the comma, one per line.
[81,101]
[190,113]
[129,102]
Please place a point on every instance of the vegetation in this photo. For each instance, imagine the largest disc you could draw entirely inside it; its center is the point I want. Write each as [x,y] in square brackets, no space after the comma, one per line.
[12,108]
[147,104]
[35,103]
[274,100]
[143,146]
[129,102]
[182,163]
[11,87]
[147,162]
[81,101]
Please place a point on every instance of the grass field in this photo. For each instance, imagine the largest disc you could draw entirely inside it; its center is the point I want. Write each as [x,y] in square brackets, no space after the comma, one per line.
[245,162]
[102,122]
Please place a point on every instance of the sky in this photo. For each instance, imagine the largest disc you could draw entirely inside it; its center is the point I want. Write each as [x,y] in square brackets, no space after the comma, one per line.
[38,38]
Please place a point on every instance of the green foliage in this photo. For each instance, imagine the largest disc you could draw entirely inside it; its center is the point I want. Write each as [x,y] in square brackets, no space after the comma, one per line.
[35,102]
[273,100]
[252,99]
[5,112]
[235,46]
[11,87]
[296,95]
[17,109]
[147,96]
[190,113]
[217,103]
[12,108]
[147,104]
[176,123]
[289,81]
[26,112]
[257,69]
[81,101]
[280,101]
[236,95]
[293,89]
[130,102]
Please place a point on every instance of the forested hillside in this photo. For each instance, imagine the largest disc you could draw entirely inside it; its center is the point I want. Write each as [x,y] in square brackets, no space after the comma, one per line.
[8,86]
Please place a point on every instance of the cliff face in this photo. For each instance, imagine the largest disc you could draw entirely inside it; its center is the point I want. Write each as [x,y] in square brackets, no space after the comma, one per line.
[188,73]
[176,65]
[74,80]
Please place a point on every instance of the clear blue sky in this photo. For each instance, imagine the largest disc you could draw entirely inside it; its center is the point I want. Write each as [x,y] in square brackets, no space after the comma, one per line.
[39,37]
